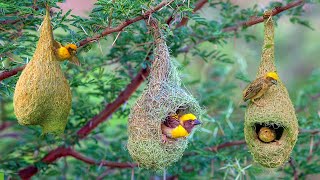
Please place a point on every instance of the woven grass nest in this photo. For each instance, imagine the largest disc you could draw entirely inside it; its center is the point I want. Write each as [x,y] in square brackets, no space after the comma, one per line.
[162,97]
[277,113]
[42,95]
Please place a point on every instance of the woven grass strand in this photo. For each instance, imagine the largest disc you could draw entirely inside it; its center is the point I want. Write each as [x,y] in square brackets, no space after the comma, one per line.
[163,96]
[277,112]
[42,95]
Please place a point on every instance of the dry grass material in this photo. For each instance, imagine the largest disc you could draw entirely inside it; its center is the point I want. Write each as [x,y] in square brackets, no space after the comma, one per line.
[42,95]
[277,113]
[162,97]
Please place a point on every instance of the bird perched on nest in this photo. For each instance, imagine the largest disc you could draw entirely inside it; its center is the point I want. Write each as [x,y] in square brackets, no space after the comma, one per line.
[67,52]
[178,127]
[259,87]
[267,134]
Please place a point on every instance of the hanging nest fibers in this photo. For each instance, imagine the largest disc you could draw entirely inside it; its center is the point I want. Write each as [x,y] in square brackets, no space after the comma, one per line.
[162,97]
[42,95]
[277,113]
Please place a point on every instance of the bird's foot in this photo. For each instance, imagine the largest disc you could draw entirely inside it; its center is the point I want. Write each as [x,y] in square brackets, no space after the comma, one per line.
[164,139]
[258,104]
[277,142]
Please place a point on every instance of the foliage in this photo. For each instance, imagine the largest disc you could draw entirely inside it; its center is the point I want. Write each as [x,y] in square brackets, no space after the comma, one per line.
[110,63]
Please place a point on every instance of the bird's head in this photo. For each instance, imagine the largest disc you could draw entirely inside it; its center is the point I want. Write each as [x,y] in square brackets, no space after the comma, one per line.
[273,77]
[72,48]
[188,121]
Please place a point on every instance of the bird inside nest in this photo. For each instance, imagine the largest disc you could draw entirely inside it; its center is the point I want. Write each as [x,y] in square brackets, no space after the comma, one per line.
[178,125]
[259,87]
[268,135]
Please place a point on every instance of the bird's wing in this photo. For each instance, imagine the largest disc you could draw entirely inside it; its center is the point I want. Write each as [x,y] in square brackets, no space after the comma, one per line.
[166,130]
[171,122]
[74,60]
[56,44]
[253,89]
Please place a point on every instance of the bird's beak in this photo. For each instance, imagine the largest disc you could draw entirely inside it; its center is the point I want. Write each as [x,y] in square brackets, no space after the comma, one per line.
[275,82]
[196,122]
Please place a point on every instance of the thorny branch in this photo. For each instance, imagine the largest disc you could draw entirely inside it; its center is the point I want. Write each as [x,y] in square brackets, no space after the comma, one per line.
[7,74]
[294,168]
[250,22]
[63,152]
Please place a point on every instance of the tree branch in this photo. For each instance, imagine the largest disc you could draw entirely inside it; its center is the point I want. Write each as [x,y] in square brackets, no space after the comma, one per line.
[126,23]
[257,20]
[224,145]
[5,125]
[7,74]
[110,108]
[28,172]
[294,168]
[248,23]
[198,6]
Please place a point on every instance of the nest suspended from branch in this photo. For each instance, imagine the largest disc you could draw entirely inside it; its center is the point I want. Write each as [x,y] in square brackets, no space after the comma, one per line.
[277,113]
[42,95]
[162,97]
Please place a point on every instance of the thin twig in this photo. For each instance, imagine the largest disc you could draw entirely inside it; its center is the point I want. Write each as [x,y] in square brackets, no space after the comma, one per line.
[250,22]
[7,74]
[224,145]
[126,23]
[28,172]
[294,168]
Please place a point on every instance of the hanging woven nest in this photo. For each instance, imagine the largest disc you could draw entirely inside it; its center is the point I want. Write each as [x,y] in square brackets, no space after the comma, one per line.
[162,97]
[277,113]
[42,95]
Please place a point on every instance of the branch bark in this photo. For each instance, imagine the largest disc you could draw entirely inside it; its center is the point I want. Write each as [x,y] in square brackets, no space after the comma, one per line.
[225,145]
[126,23]
[250,22]
[294,168]
[198,6]
[28,172]
[7,74]
[257,20]
[112,107]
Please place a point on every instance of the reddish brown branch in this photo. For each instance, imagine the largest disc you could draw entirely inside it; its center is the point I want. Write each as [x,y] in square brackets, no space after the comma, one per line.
[7,74]
[198,6]
[28,172]
[121,26]
[311,131]
[5,125]
[294,168]
[248,23]
[224,145]
[112,107]
[257,20]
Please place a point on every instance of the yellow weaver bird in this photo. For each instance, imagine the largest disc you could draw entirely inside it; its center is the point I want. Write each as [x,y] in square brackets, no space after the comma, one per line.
[260,86]
[67,52]
[267,134]
[177,127]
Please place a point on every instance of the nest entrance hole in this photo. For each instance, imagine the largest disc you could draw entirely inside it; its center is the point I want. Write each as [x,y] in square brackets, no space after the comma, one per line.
[277,128]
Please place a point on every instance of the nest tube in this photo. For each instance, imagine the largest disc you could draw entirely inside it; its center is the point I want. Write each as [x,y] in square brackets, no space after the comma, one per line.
[163,96]
[277,113]
[42,95]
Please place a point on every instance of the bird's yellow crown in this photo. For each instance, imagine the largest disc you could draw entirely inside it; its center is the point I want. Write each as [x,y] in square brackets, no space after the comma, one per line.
[187,117]
[72,46]
[273,75]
